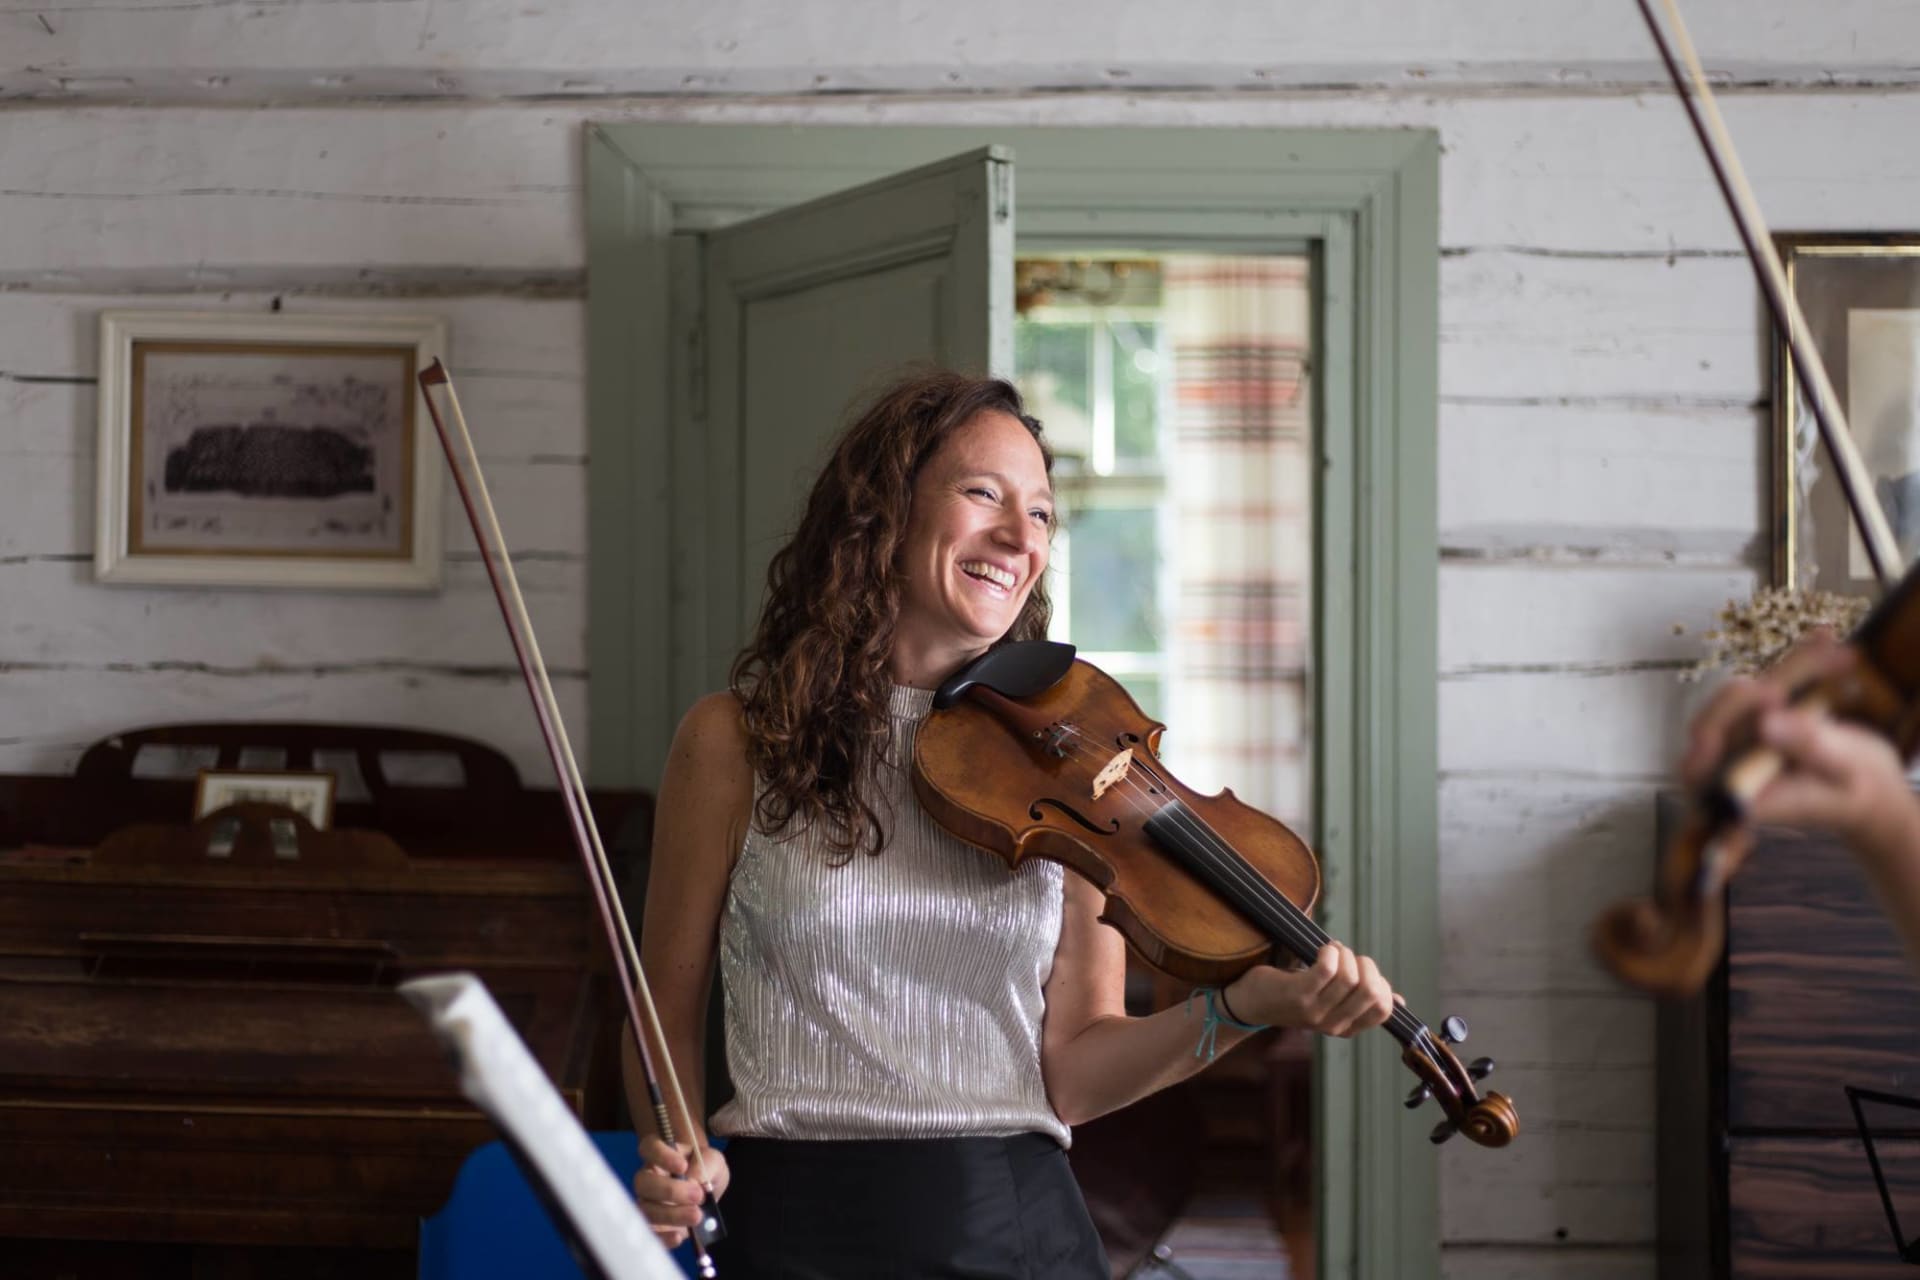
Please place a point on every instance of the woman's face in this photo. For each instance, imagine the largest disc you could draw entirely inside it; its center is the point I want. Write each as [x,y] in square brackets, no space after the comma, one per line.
[976,542]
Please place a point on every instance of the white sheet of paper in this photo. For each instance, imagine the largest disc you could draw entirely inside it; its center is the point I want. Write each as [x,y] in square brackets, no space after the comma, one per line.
[501,1077]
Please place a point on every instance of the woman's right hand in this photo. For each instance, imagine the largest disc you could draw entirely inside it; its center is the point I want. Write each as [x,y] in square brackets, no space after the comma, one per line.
[666,1192]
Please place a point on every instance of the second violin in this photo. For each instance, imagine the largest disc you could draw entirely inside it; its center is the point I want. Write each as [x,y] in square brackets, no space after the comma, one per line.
[1030,753]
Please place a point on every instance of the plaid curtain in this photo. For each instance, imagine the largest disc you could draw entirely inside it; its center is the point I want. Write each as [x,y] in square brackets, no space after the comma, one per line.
[1240,485]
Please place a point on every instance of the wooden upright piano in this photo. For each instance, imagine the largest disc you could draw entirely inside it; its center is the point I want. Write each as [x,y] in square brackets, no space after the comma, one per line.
[204,1070]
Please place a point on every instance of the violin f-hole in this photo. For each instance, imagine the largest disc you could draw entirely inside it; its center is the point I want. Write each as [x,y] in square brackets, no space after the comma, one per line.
[1112,827]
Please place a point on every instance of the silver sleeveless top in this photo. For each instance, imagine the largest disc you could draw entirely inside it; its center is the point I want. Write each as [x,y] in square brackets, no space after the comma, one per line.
[895,996]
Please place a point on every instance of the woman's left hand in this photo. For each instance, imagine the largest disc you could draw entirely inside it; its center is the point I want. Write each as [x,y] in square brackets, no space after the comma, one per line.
[1339,994]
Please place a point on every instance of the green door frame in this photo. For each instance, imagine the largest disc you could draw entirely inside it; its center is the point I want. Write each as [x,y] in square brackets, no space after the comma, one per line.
[1367,201]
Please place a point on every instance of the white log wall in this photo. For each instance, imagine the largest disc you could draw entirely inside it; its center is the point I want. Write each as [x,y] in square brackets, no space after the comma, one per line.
[1603,375]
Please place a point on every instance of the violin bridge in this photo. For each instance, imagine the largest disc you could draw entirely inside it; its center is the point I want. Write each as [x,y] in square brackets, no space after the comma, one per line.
[1114,770]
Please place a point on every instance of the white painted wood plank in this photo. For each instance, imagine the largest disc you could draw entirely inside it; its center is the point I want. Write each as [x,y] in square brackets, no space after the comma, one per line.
[1524,326]
[57,616]
[1577,1182]
[498,186]
[1650,482]
[1525,867]
[56,334]
[1558,172]
[1496,1262]
[1547,1030]
[587,46]
[48,718]
[45,419]
[542,509]
[1505,616]
[1624,726]
[1579,1070]
[103,190]
[1619,174]
[49,505]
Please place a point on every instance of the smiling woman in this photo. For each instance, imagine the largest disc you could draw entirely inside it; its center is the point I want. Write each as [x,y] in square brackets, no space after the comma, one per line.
[859,588]
[976,544]
[911,1027]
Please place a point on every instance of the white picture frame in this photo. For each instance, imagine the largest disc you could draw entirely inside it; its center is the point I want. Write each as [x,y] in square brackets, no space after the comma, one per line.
[249,450]
[308,794]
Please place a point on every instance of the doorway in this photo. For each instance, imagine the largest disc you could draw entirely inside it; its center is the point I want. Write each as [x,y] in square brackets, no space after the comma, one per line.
[1176,392]
[1367,202]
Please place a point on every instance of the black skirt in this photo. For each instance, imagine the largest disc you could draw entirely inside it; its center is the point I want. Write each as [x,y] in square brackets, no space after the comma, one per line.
[985,1208]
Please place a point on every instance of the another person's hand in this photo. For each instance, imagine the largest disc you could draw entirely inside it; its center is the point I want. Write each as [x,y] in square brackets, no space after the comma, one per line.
[1843,779]
[665,1190]
[1339,994]
[1839,777]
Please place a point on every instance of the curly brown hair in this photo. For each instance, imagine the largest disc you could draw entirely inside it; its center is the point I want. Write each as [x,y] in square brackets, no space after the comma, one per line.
[813,683]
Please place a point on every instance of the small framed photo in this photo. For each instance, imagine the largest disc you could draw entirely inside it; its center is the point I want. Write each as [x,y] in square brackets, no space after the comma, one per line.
[267,451]
[1861,296]
[308,794]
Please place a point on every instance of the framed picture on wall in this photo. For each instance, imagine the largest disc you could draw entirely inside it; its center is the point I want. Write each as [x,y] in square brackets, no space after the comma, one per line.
[1861,296]
[308,794]
[267,451]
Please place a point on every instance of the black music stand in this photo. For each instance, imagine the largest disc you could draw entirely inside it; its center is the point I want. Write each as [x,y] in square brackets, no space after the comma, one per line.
[1909,1250]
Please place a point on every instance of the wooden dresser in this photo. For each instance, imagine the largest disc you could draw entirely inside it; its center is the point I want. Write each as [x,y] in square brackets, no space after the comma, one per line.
[1761,1174]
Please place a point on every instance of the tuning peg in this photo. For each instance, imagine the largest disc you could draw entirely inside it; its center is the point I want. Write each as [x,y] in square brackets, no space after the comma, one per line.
[1480,1068]
[1454,1030]
[1441,1132]
[1421,1092]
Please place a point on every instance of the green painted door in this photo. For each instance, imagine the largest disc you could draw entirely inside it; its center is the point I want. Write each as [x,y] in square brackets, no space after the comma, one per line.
[806,311]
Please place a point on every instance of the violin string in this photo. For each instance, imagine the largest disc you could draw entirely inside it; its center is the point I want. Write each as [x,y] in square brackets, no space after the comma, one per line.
[1231,866]
[1299,927]
[1229,861]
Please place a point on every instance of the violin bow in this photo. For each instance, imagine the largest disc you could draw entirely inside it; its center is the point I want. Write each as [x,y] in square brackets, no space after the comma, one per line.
[1704,113]
[670,1102]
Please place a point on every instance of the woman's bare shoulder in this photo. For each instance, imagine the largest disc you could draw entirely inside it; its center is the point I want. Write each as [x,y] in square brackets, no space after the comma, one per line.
[711,741]
[707,793]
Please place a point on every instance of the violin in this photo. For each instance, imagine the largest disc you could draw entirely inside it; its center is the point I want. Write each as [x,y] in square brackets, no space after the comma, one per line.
[1670,943]
[1030,752]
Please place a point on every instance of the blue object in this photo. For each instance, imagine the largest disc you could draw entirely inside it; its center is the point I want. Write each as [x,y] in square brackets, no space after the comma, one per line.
[1217,1017]
[493,1226]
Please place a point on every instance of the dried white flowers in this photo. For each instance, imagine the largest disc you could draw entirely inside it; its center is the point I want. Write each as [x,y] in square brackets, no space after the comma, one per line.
[1753,633]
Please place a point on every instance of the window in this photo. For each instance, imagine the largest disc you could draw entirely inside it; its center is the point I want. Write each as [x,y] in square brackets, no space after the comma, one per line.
[1175,393]
[1090,355]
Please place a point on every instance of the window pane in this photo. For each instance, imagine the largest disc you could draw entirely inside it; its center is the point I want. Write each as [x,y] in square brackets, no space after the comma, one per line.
[1052,363]
[1136,389]
[1116,556]
[1146,692]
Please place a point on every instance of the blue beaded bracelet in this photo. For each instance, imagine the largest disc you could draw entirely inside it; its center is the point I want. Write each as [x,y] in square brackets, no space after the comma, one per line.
[1215,1019]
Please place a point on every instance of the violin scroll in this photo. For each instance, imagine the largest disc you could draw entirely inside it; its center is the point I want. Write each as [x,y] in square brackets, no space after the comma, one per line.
[1489,1119]
[1668,944]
